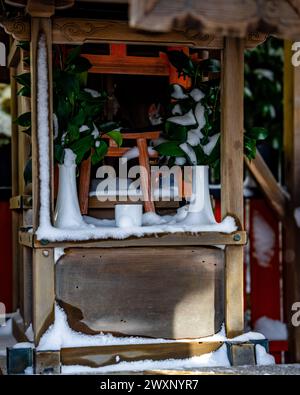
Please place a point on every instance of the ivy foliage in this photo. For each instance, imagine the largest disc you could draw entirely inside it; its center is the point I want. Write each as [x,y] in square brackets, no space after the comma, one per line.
[177,134]
[78,112]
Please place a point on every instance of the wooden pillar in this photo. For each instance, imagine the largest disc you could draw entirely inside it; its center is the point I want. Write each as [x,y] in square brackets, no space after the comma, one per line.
[43,291]
[232,160]
[291,233]
[43,260]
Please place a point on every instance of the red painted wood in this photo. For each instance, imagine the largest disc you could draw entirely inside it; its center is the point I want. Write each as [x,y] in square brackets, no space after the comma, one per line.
[5,256]
[276,347]
[265,268]
[264,258]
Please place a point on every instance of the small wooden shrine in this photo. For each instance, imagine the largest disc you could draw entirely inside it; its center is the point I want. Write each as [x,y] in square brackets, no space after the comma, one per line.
[177,285]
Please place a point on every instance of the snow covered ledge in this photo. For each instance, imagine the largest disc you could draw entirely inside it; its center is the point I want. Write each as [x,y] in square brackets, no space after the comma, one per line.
[94,229]
[60,336]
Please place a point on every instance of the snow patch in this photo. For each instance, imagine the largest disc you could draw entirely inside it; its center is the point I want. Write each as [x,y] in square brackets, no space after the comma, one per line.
[186,119]
[263,240]
[178,93]
[271,329]
[262,357]
[217,358]
[197,94]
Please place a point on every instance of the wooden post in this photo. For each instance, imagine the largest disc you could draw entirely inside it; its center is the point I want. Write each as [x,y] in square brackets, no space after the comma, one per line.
[43,260]
[291,233]
[232,160]
[43,290]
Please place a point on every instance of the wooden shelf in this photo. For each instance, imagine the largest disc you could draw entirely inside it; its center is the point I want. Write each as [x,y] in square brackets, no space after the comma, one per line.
[164,240]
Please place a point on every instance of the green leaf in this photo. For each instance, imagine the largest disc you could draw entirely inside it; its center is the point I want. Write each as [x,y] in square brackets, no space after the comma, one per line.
[81,146]
[24,45]
[73,55]
[176,132]
[78,119]
[59,153]
[24,91]
[181,62]
[170,148]
[73,131]
[249,147]
[24,120]
[24,79]
[107,126]
[99,152]
[116,136]
[81,65]
[26,60]
[28,172]
[210,65]
[257,133]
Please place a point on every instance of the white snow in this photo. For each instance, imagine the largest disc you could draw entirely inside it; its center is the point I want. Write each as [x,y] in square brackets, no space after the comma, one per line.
[58,253]
[55,126]
[105,229]
[29,333]
[177,109]
[43,136]
[263,240]
[180,161]
[133,153]
[194,136]
[83,128]
[24,345]
[211,144]
[95,133]
[217,358]
[178,93]
[262,357]
[197,94]
[60,335]
[271,329]
[264,73]
[186,119]
[199,115]
[153,219]
[189,152]
[92,92]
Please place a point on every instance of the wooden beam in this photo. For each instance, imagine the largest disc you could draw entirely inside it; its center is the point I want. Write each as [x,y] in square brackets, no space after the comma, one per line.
[232,159]
[79,31]
[107,355]
[238,238]
[43,291]
[268,184]
[291,233]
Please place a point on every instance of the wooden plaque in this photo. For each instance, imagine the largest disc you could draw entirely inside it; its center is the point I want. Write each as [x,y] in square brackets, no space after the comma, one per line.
[167,292]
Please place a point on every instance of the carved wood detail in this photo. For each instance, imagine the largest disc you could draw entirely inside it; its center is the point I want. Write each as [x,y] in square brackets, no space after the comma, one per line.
[79,31]
[18,27]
